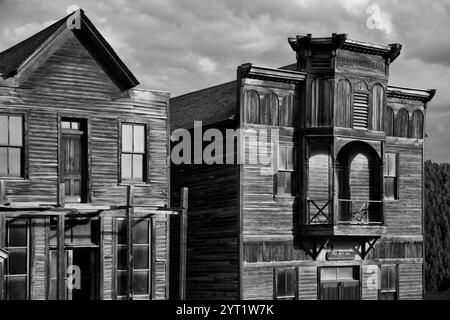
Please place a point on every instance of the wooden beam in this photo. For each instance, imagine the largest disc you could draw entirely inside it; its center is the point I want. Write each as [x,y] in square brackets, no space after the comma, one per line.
[61,272]
[2,192]
[130,225]
[183,241]
[61,194]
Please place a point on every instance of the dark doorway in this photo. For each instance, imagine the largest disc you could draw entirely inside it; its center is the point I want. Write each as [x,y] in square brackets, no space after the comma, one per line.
[73,159]
[339,283]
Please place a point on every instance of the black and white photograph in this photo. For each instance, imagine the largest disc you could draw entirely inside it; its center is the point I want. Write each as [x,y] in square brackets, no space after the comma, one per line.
[251,151]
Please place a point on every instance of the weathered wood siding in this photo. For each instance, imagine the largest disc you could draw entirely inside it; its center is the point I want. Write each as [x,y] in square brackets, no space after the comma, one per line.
[410,281]
[307,283]
[71,84]
[257,283]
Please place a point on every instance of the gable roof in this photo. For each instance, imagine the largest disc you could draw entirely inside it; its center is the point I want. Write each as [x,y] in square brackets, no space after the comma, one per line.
[12,58]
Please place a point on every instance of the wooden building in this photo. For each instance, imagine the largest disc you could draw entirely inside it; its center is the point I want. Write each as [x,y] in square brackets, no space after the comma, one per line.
[83,171]
[338,213]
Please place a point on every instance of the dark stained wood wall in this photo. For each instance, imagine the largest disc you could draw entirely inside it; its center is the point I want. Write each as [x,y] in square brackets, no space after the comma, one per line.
[71,83]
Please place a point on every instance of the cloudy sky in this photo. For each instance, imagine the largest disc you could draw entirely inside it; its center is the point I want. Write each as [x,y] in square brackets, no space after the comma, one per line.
[184,45]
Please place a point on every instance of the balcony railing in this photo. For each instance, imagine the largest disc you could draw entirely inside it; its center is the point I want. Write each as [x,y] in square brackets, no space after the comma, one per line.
[319,211]
[351,211]
[360,211]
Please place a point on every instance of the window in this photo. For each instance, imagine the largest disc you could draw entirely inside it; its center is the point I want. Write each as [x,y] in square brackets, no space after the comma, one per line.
[269,110]
[390,176]
[339,283]
[285,178]
[17,266]
[141,257]
[402,123]
[11,146]
[388,282]
[133,152]
[285,284]
[74,159]
[360,110]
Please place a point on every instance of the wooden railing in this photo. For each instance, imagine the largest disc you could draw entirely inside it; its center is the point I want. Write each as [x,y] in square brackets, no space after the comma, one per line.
[354,211]
[360,211]
[319,211]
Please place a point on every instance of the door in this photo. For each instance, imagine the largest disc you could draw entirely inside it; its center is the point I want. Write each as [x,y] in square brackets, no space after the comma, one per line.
[73,164]
[339,283]
[86,259]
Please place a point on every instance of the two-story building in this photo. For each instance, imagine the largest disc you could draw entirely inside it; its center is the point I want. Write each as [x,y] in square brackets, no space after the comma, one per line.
[83,171]
[337,211]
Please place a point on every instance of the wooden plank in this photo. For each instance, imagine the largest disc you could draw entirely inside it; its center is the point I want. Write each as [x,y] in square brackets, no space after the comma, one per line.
[183,241]
[130,233]
[61,267]
[2,191]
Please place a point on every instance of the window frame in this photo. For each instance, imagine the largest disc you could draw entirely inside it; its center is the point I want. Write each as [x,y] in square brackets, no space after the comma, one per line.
[28,247]
[380,290]
[145,155]
[24,146]
[285,169]
[276,272]
[151,264]
[386,174]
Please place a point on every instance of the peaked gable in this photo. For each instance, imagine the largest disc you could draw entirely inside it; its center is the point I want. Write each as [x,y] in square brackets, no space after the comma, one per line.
[15,58]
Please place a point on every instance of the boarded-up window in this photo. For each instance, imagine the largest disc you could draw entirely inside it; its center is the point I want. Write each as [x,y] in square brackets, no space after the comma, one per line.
[16,277]
[388,282]
[344,104]
[286,116]
[376,121]
[268,113]
[320,103]
[285,178]
[390,176]
[416,128]
[11,146]
[402,123]
[251,107]
[360,110]
[389,122]
[285,284]
[318,176]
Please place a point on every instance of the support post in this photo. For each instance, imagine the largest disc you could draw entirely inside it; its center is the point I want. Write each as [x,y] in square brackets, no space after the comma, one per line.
[130,237]
[61,272]
[183,241]
[2,192]
[2,245]
[61,194]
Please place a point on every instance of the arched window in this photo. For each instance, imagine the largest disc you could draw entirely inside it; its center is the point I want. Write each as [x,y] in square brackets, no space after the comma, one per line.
[286,116]
[320,103]
[389,121]
[344,104]
[269,110]
[416,127]
[251,104]
[376,114]
[402,123]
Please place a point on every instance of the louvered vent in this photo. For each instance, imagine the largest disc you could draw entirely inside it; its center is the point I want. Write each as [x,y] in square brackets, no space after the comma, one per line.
[320,61]
[360,110]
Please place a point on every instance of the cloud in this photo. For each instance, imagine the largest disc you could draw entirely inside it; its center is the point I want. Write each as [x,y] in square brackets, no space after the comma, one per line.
[184,45]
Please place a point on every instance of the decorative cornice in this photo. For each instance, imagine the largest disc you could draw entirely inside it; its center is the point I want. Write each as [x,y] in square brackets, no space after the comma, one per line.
[423,95]
[263,73]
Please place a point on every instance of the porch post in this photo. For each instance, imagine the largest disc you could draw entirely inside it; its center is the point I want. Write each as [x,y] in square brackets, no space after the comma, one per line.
[130,237]
[60,265]
[183,241]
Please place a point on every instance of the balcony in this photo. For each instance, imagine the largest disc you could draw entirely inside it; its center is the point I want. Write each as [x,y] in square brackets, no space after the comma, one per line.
[343,217]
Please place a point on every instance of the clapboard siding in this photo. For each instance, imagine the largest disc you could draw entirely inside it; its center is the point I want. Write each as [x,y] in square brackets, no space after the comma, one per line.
[404,216]
[38,259]
[212,242]
[369,282]
[257,283]
[307,283]
[410,281]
